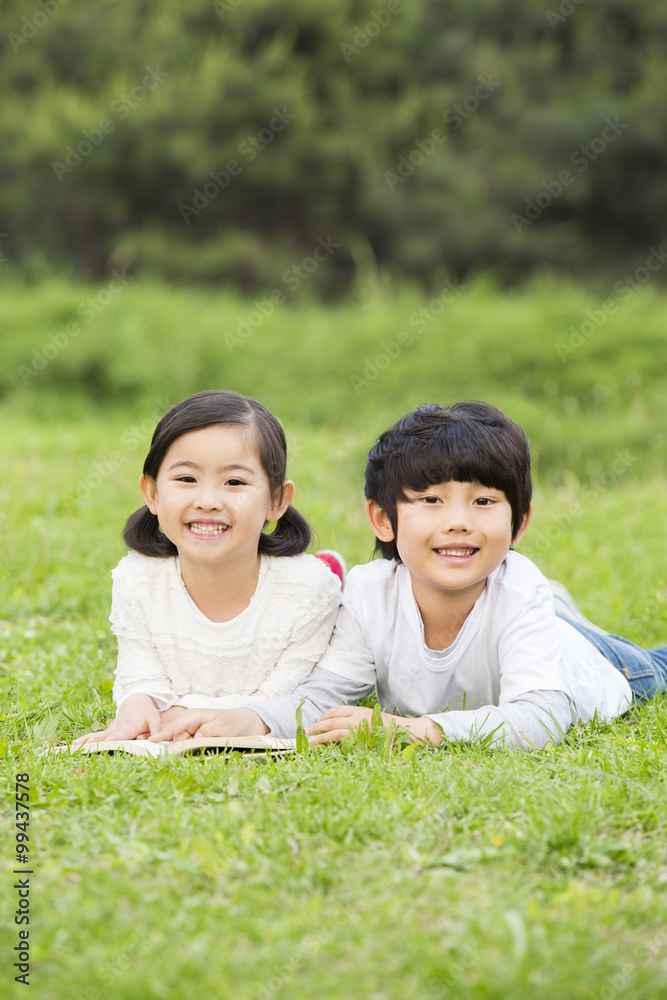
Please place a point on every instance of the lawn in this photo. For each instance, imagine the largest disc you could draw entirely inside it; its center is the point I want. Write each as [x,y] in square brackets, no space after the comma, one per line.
[369,870]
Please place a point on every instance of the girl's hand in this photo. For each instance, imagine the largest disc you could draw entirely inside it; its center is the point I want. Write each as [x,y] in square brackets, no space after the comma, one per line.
[137,718]
[344,719]
[171,714]
[203,722]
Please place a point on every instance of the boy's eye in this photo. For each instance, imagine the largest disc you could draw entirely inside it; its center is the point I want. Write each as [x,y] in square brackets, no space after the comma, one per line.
[485,501]
[431,500]
[235,482]
[186,479]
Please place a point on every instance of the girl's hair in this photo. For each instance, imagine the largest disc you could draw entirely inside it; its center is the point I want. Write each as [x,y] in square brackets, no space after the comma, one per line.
[469,442]
[292,533]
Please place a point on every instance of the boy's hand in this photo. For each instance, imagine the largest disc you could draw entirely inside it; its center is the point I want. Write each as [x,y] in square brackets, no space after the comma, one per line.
[137,718]
[340,721]
[203,722]
[344,719]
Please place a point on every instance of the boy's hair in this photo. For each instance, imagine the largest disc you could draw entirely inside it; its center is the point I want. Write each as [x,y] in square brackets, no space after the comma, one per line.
[468,442]
[292,533]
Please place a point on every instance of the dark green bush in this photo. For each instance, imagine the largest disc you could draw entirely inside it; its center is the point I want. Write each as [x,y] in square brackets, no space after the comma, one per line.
[428,138]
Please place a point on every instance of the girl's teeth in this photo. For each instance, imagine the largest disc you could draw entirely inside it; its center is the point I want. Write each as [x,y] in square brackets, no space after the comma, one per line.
[456,552]
[208,529]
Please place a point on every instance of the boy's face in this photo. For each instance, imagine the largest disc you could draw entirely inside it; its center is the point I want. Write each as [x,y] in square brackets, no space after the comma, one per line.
[451,537]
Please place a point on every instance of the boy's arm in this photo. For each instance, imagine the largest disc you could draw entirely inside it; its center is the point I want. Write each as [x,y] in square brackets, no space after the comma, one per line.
[342,719]
[276,716]
[529,722]
[345,674]
[320,690]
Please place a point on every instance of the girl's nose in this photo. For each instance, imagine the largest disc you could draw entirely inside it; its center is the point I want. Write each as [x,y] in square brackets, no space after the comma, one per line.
[208,500]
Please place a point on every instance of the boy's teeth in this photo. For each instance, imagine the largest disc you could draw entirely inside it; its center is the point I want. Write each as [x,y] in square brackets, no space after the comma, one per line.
[207,529]
[455,552]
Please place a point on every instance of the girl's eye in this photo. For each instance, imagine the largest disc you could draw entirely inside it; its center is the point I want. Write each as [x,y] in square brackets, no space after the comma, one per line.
[186,479]
[235,482]
[431,500]
[485,501]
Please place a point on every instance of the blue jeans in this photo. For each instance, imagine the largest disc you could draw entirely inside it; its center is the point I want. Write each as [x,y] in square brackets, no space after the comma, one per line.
[644,669]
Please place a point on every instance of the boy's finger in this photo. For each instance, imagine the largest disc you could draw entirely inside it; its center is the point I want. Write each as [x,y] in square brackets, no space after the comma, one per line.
[337,711]
[333,736]
[330,725]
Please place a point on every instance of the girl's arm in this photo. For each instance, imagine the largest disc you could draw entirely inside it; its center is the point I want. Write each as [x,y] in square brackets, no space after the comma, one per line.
[137,718]
[141,686]
[139,669]
[207,722]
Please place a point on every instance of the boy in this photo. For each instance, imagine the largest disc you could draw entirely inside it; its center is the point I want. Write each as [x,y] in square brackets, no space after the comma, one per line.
[456,631]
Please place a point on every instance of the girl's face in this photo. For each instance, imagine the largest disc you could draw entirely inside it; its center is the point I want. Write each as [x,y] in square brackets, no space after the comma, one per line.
[212,496]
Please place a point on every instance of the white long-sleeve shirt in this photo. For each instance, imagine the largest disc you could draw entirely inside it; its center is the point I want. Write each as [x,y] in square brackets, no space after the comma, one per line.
[515,672]
[168,649]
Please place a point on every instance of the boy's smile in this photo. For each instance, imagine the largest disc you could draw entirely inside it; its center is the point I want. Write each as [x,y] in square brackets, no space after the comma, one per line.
[450,537]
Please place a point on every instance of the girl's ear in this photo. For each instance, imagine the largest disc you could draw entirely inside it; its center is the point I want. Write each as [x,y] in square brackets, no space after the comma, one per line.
[379,521]
[149,489]
[524,524]
[283,501]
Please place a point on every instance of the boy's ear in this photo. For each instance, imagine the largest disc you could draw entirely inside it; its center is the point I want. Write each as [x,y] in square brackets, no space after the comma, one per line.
[379,521]
[149,489]
[283,500]
[524,524]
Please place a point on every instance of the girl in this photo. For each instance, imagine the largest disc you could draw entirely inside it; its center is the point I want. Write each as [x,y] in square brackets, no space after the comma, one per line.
[208,609]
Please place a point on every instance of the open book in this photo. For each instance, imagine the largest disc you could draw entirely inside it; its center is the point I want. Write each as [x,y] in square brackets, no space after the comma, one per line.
[255,745]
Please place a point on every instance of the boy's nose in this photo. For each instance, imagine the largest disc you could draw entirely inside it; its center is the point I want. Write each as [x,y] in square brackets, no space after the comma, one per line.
[456,522]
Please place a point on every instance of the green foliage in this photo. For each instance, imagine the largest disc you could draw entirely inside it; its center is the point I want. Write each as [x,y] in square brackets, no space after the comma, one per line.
[362,363]
[134,108]
[375,868]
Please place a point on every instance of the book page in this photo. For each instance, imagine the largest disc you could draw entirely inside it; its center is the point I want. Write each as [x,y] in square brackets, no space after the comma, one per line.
[147,749]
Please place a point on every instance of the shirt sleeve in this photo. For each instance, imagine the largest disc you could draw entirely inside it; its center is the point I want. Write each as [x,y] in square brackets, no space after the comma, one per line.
[530,721]
[139,669]
[321,690]
[529,648]
[344,675]
[350,653]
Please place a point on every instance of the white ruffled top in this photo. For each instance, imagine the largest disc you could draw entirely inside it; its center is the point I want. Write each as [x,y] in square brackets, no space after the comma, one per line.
[171,651]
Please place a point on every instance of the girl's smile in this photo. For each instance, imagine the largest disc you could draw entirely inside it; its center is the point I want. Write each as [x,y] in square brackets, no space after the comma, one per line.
[212,498]
[208,529]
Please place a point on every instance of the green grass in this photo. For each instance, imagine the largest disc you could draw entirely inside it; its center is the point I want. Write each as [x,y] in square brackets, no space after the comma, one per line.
[354,871]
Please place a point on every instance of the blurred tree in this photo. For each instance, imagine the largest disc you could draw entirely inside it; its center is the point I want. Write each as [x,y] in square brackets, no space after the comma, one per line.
[217,141]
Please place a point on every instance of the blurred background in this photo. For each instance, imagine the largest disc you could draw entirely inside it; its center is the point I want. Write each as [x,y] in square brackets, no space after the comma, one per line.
[116,116]
[344,210]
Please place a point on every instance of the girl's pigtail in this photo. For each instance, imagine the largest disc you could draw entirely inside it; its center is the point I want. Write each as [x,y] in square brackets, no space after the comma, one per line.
[290,537]
[142,533]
